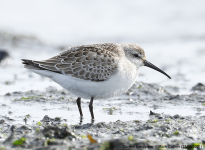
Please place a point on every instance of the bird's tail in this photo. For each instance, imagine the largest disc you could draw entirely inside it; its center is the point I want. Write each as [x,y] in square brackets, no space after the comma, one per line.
[29,64]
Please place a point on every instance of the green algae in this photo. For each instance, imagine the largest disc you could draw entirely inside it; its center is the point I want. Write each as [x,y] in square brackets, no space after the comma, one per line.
[19,142]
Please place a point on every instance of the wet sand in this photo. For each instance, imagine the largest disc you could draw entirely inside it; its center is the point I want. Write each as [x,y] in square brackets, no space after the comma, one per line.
[21,127]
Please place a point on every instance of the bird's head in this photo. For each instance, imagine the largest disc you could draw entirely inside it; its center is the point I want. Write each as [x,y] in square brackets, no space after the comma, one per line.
[136,55]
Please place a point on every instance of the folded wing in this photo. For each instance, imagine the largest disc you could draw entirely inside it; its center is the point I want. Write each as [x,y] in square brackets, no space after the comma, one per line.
[88,63]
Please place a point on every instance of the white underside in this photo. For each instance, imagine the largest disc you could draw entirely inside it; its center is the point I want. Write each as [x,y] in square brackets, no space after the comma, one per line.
[117,84]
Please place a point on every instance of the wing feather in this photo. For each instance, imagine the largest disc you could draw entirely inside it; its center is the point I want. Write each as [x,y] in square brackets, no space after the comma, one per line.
[85,62]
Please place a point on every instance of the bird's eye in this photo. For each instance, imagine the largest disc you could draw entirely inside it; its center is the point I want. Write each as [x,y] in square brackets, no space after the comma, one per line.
[136,55]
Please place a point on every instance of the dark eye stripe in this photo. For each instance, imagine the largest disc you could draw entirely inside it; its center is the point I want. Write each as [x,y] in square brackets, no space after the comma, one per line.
[136,55]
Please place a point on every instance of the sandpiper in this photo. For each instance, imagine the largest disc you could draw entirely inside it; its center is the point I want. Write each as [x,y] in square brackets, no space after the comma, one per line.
[94,71]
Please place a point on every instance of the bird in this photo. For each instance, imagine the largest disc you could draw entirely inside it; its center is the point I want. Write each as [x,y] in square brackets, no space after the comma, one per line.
[94,71]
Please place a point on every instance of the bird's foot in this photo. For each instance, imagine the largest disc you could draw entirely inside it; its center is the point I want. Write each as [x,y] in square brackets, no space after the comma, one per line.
[92,121]
[81,120]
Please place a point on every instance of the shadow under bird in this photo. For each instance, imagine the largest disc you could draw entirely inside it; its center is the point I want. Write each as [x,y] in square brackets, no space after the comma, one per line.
[96,71]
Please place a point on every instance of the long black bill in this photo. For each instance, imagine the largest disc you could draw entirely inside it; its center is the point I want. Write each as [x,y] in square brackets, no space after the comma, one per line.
[148,64]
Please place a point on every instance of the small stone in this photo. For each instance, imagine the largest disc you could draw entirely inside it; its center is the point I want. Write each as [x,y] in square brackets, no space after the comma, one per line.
[199,87]
[176,116]
[174,97]
[2,121]
[46,118]
[8,94]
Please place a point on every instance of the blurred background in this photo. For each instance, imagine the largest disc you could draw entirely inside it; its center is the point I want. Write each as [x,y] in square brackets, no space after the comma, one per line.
[172,34]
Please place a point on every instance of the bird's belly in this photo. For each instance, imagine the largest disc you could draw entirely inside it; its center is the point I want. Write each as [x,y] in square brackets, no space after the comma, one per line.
[117,84]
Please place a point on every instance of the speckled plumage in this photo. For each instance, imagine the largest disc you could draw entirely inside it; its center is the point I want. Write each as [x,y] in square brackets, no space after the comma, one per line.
[88,63]
[95,62]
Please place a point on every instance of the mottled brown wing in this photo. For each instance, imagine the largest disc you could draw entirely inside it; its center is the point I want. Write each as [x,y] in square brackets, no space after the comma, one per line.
[88,63]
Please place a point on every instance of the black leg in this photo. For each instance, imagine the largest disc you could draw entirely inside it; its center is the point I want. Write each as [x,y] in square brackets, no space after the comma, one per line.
[79,106]
[91,107]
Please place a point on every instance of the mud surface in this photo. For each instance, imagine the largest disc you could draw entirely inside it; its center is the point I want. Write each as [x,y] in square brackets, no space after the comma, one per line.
[20,128]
